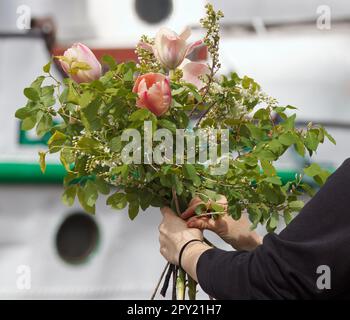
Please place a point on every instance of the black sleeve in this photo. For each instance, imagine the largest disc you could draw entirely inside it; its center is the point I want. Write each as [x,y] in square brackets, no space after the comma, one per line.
[285,265]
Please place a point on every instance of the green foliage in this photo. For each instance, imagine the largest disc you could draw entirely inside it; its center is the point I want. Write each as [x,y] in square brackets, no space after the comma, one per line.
[92,117]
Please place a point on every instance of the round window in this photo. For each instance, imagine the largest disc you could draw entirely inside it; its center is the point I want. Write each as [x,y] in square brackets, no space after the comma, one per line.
[153,11]
[77,238]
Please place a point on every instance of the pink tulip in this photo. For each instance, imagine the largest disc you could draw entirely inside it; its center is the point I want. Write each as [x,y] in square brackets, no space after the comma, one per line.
[80,64]
[192,71]
[154,92]
[170,48]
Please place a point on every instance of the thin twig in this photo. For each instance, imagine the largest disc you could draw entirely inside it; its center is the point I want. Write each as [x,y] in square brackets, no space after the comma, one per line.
[174,282]
[176,200]
[166,280]
[159,281]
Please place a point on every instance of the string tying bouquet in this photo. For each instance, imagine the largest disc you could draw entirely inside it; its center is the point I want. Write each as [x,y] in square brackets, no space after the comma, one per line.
[164,130]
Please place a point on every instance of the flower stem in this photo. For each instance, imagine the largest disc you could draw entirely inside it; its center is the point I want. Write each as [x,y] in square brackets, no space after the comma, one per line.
[192,288]
[180,284]
[172,74]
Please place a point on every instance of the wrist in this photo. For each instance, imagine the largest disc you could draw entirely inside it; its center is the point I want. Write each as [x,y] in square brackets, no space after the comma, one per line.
[248,242]
[190,257]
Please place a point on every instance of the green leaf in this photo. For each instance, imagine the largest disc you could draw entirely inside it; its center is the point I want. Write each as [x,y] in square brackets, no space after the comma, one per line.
[133,209]
[256,132]
[167,125]
[311,140]
[116,144]
[122,170]
[91,193]
[109,60]
[289,123]
[313,170]
[296,205]
[42,162]
[102,186]
[98,85]
[44,125]
[72,95]
[47,96]
[322,177]
[165,181]
[140,115]
[178,184]
[262,114]
[69,195]
[267,155]
[287,139]
[56,142]
[255,215]
[90,117]
[129,75]
[308,189]
[25,112]
[212,195]
[47,67]
[83,202]
[36,84]
[291,107]
[117,200]
[330,138]
[145,199]
[28,123]
[272,193]
[274,180]
[299,147]
[89,145]
[268,168]
[216,207]
[200,209]
[287,217]
[31,94]
[190,172]
[66,158]
[246,82]
[235,211]
[272,222]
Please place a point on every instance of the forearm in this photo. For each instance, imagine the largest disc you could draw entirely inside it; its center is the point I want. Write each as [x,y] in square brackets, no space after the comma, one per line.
[194,250]
[246,242]
[191,256]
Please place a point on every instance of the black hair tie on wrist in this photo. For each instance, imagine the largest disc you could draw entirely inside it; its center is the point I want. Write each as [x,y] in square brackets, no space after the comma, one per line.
[183,249]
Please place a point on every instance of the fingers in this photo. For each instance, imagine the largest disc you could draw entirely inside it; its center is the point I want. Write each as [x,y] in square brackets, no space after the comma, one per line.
[190,211]
[195,202]
[201,223]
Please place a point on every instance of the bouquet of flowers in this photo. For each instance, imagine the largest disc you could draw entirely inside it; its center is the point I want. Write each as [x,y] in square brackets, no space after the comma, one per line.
[164,130]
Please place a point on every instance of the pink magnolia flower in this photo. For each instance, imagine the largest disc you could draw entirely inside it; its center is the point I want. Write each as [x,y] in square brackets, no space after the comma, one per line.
[80,63]
[192,71]
[154,92]
[170,48]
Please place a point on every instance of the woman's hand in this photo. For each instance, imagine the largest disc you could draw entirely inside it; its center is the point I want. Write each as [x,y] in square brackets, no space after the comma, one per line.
[173,234]
[235,232]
